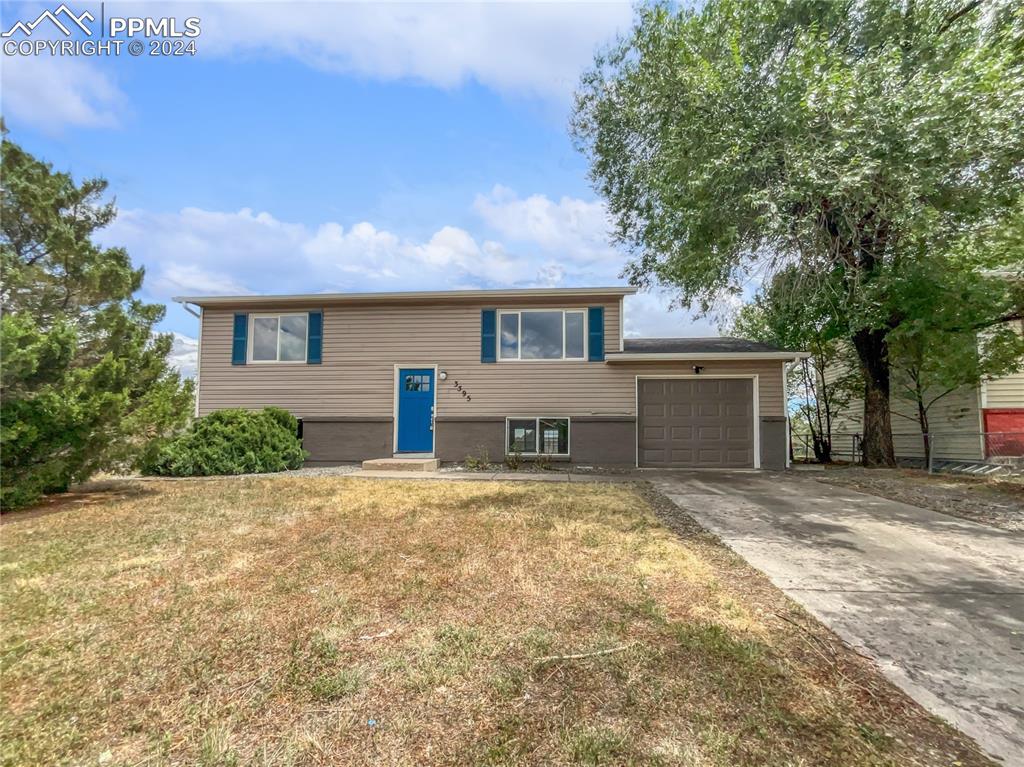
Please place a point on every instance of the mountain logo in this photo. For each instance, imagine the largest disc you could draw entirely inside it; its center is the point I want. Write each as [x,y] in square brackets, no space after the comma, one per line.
[55,17]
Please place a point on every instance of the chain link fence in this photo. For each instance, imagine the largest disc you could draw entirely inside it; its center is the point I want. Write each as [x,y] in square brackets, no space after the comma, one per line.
[992,453]
[960,452]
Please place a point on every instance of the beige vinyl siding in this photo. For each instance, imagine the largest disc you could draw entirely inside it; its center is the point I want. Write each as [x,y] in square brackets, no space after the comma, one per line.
[363,343]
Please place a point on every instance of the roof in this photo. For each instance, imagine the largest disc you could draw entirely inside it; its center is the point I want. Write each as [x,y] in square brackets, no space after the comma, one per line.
[693,345]
[404,296]
[724,347]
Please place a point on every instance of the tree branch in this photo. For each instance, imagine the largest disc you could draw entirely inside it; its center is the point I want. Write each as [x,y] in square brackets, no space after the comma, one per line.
[954,17]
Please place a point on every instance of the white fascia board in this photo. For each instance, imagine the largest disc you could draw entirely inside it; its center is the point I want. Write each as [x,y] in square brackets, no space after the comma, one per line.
[627,357]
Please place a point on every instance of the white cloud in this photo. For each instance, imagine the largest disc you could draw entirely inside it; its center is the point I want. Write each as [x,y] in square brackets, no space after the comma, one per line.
[202,252]
[535,50]
[576,229]
[55,92]
[184,355]
[179,279]
[652,315]
[542,243]
[526,49]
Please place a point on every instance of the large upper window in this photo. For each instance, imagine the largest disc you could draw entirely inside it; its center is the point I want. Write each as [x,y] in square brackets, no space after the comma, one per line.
[542,334]
[278,337]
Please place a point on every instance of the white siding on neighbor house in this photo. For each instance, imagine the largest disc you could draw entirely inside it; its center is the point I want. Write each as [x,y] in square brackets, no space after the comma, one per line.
[955,420]
[363,342]
[1006,392]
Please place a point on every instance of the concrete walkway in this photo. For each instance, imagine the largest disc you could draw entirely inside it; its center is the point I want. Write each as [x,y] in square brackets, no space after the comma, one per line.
[937,601]
[496,476]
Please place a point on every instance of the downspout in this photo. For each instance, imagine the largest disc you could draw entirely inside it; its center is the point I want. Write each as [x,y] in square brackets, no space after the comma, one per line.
[199,348]
[785,407]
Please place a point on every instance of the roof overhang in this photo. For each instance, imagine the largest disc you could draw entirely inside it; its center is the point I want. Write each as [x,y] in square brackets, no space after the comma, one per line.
[625,357]
[424,296]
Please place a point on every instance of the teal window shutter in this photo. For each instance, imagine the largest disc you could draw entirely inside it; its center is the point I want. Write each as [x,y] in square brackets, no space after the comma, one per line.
[240,339]
[489,335]
[314,338]
[595,333]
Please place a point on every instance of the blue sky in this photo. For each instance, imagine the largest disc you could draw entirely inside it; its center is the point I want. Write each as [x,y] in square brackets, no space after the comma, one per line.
[323,146]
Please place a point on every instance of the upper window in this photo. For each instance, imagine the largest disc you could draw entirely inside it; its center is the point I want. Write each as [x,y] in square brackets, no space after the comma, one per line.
[542,334]
[278,337]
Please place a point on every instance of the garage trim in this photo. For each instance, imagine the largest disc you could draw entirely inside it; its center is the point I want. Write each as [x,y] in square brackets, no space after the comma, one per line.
[756,410]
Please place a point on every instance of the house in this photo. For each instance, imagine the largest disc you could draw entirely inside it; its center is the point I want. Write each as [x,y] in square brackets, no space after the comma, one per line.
[534,372]
[972,424]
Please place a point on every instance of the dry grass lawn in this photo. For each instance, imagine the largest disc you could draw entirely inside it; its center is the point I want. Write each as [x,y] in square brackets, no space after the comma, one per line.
[334,621]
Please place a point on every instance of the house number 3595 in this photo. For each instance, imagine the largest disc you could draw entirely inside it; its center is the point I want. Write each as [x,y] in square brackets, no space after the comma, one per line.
[461,390]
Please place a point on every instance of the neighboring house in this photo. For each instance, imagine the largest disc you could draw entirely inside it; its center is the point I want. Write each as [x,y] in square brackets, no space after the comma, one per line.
[539,372]
[976,423]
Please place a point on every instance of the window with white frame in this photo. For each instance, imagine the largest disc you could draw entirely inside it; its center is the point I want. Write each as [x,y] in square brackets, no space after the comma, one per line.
[538,436]
[278,337]
[542,334]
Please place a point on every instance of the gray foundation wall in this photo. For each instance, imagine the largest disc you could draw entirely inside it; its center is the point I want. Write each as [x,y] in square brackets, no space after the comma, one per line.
[482,438]
[346,440]
[599,441]
[607,441]
[594,440]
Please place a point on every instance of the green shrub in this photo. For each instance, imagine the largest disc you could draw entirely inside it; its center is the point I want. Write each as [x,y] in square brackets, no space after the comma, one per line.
[232,442]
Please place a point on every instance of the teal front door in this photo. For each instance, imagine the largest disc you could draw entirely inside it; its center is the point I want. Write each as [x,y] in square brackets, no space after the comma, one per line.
[415,410]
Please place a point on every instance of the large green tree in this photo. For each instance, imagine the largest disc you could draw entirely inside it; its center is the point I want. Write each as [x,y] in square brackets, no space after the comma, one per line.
[852,139]
[85,384]
[820,386]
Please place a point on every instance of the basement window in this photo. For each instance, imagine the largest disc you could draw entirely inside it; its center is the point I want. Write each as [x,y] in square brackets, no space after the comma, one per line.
[537,436]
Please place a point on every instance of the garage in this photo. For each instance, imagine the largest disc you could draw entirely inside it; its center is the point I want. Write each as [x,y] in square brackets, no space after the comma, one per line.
[695,422]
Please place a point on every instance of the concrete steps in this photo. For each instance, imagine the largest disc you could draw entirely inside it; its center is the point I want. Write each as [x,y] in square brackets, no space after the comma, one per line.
[402,464]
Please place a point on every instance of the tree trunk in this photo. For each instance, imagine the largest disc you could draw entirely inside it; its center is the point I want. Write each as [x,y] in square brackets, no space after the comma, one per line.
[922,420]
[873,352]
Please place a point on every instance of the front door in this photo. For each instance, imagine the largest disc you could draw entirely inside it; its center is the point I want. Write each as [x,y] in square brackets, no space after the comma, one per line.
[415,410]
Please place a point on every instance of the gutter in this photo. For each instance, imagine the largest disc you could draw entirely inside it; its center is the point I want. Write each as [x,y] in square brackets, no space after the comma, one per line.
[319,299]
[185,305]
[621,357]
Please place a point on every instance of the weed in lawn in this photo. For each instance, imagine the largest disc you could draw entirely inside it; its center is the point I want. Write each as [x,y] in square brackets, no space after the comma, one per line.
[596,746]
[336,685]
[712,640]
[215,749]
[509,682]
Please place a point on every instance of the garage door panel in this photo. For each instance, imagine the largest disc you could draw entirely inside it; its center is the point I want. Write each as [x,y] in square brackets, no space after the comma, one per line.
[653,434]
[681,455]
[654,410]
[709,409]
[653,457]
[696,423]
[736,409]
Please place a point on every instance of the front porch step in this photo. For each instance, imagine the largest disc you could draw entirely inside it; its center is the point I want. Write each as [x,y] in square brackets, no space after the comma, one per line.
[402,464]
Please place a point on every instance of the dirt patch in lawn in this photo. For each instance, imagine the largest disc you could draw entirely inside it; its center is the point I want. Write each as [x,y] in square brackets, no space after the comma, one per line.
[326,620]
[994,502]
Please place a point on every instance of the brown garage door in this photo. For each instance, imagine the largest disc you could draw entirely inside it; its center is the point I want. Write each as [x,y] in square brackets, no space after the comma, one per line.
[696,422]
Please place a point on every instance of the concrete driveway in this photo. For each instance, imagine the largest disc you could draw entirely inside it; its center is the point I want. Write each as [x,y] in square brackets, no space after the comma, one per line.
[937,601]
